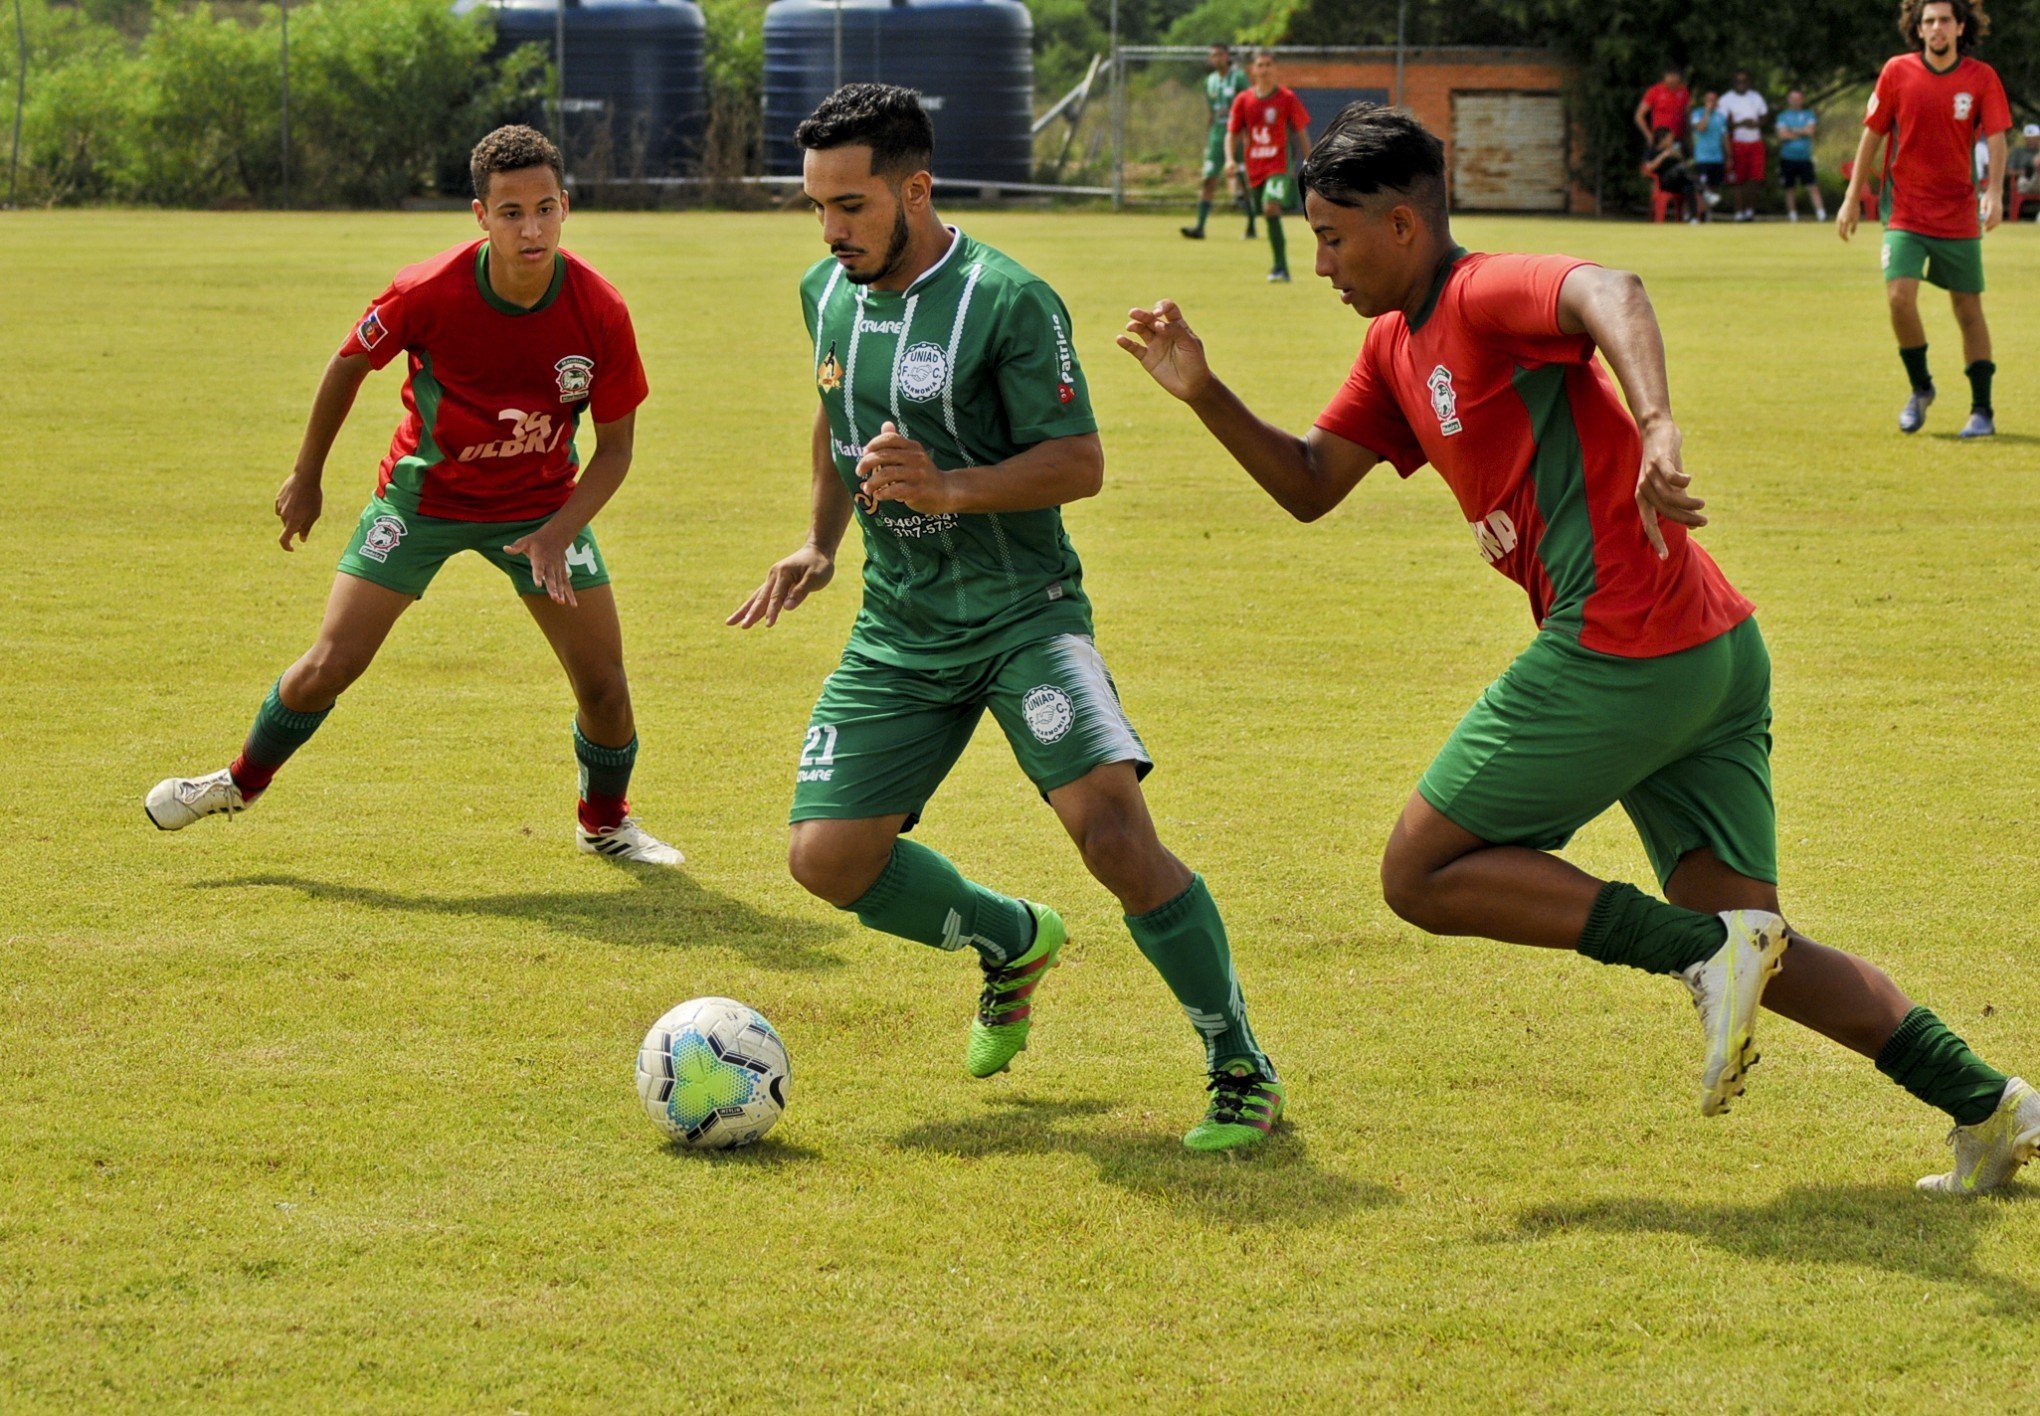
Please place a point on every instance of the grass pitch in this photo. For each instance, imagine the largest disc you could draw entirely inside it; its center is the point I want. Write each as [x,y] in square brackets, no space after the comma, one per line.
[330,1106]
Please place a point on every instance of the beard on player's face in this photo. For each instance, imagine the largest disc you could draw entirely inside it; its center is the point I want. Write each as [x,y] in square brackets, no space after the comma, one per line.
[895,252]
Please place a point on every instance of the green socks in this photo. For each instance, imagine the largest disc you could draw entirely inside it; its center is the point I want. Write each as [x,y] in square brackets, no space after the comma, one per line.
[1915,361]
[1627,926]
[1979,385]
[1936,1066]
[921,896]
[1185,940]
[1203,214]
[605,771]
[1276,240]
[276,733]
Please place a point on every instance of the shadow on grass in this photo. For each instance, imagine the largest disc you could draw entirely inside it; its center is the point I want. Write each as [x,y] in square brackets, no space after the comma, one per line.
[666,910]
[768,1154]
[2020,439]
[1277,1184]
[1870,1226]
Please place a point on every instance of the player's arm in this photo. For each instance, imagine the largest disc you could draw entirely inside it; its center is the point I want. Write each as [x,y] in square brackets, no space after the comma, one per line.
[546,548]
[1867,148]
[1994,183]
[1611,308]
[1642,117]
[1307,477]
[792,579]
[299,500]
[1053,472]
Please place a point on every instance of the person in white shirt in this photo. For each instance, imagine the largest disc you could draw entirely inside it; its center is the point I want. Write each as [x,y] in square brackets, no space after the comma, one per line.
[1745,110]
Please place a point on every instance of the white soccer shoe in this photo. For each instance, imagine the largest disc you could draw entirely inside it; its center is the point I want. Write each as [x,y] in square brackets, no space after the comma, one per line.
[627,841]
[1989,1154]
[1726,989]
[176,802]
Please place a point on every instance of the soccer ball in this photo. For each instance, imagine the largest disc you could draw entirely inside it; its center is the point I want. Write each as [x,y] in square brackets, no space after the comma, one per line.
[713,1074]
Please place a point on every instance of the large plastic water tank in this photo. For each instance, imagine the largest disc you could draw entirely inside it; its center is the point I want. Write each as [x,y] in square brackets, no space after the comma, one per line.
[972,60]
[635,104]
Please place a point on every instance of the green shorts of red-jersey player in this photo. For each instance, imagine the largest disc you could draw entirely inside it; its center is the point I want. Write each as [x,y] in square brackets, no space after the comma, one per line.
[1279,189]
[1683,742]
[402,551]
[1954,265]
[882,737]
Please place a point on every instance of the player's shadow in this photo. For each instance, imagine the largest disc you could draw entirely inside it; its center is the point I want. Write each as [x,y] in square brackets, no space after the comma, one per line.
[665,910]
[1277,1184]
[2013,438]
[1898,1231]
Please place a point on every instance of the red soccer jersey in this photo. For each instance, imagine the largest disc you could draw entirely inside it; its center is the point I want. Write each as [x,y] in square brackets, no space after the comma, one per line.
[1267,122]
[1934,121]
[1532,438]
[1668,107]
[495,393]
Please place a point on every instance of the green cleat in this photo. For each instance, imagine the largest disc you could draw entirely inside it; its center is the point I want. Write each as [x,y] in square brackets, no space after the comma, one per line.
[1006,1008]
[1245,1105]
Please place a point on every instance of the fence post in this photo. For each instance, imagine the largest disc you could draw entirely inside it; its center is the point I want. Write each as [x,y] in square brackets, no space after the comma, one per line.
[20,97]
[284,8]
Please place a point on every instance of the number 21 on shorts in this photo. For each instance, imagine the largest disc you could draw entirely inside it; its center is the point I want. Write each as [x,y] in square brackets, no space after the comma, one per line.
[820,748]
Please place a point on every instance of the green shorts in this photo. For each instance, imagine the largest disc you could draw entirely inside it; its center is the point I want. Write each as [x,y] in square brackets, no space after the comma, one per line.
[882,738]
[1214,152]
[1955,265]
[402,551]
[1279,189]
[1682,741]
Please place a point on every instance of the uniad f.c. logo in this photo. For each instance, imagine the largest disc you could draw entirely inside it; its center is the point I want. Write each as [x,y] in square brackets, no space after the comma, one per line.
[1444,400]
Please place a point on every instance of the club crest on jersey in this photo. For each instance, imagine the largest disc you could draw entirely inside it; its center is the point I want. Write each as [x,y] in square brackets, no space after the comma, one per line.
[923,370]
[576,376]
[371,330]
[383,534]
[1444,400]
[829,375]
[1048,711]
[1963,103]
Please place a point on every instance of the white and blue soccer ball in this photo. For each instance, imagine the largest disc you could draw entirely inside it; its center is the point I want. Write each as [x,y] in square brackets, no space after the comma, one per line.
[713,1075]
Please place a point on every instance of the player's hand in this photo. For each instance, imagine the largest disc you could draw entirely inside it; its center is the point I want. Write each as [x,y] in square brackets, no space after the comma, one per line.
[548,556]
[1845,219]
[788,583]
[298,503]
[1168,349]
[1993,210]
[1661,485]
[1231,168]
[896,468]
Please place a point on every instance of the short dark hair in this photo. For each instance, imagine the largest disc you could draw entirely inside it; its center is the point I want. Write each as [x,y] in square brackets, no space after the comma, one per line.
[1221,44]
[886,118]
[1369,149]
[1975,23]
[512,149]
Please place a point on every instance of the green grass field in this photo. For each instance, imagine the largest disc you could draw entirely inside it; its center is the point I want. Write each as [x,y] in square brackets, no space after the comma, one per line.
[330,1106]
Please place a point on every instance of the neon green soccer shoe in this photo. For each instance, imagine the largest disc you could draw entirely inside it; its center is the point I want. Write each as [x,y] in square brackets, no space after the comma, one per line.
[1245,1105]
[1006,1007]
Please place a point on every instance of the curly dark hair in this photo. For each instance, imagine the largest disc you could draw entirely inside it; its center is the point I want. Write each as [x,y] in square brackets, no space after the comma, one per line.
[512,149]
[886,118]
[1975,23]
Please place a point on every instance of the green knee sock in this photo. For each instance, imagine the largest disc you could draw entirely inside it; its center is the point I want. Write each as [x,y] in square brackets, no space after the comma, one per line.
[1936,1066]
[1185,941]
[1915,361]
[1203,214]
[1276,240]
[605,771]
[921,896]
[276,733]
[1627,926]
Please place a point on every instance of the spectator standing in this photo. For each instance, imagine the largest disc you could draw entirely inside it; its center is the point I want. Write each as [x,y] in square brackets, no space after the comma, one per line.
[1746,111]
[1710,151]
[1663,105]
[1795,155]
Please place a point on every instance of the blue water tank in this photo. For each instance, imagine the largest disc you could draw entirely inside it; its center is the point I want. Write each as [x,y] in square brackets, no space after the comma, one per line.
[635,99]
[972,60]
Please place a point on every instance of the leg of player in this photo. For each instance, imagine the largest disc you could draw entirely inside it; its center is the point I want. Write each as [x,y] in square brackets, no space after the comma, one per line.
[1205,196]
[903,888]
[1175,923]
[359,617]
[1976,363]
[588,640]
[1997,1118]
[1903,296]
[1276,242]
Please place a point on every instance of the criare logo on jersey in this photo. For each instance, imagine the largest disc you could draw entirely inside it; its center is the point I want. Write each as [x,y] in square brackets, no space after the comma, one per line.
[529,432]
[576,374]
[383,534]
[1066,386]
[1444,400]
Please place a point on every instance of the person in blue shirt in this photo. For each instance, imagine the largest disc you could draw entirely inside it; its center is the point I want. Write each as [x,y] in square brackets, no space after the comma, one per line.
[1710,151]
[1795,155]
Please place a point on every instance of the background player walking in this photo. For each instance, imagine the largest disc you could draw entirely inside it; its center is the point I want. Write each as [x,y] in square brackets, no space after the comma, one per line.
[1222,85]
[1647,684]
[954,420]
[1265,121]
[1933,103]
[511,343]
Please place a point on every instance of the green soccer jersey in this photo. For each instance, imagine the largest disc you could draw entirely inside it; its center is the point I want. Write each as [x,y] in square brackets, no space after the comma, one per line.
[974,361]
[1219,92]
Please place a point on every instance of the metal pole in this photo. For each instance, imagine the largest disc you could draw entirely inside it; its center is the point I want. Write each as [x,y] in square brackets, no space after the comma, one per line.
[839,46]
[20,95]
[284,7]
[1402,11]
[1118,117]
[560,79]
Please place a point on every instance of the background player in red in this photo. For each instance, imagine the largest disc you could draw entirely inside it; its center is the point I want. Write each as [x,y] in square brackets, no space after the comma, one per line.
[1933,103]
[511,342]
[1265,121]
[1663,105]
[1647,683]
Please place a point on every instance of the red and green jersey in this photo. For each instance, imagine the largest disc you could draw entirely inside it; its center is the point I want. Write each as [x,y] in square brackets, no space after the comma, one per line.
[1934,121]
[1268,122]
[1530,435]
[495,392]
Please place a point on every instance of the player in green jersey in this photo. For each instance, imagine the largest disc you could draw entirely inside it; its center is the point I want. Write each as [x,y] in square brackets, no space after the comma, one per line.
[954,424]
[1222,85]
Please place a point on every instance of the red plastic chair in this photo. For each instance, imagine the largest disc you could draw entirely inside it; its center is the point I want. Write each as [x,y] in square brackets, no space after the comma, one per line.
[2014,199]
[1868,200]
[1662,201]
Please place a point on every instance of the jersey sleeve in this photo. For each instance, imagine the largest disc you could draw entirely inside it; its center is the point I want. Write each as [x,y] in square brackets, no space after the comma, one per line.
[1993,111]
[622,387]
[1041,384]
[1513,300]
[1364,412]
[1879,115]
[387,327]
[1236,118]
[1299,116]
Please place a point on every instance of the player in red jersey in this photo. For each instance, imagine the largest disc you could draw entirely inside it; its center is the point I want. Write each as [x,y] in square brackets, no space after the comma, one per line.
[1266,119]
[511,343]
[1933,103]
[1647,684]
